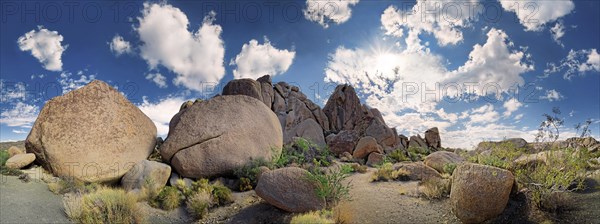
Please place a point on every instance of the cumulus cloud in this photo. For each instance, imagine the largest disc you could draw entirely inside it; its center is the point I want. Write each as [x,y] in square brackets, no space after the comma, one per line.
[445,25]
[69,81]
[196,57]
[161,112]
[534,14]
[120,46]
[558,31]
[158,79]
[21,115]
[10,91]
[256,60]
[552,95]
[325,12]
[511,106]
[576,63]
[483,115]
[44,45]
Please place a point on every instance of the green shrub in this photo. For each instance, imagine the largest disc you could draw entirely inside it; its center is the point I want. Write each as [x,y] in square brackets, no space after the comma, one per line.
[221,194]
[398,156]
[449,168]
[250,173]
[199,203]
[245,184]
[169,198]
[303,152]
[384,173]
[315,217]
[346,169]
[4,156]
[106,205]
[330,187]
[202,185]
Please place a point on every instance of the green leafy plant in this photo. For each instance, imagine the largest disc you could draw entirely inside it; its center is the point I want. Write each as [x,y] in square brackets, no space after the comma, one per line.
[398,156]
[346,169]
[303,152]
[329,186]
[449,168]
[248,174]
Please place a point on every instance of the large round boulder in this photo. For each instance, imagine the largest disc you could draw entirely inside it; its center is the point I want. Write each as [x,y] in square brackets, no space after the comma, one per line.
[440,159]
[479,192]
[93,134]
[289,189]
[217,136]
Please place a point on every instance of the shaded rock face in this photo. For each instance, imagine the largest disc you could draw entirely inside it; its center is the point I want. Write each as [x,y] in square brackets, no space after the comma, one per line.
[289,189]
[308,129]
[344,141]
[260,89]
[375,158]
[93,134]
[439,159]
[20,160]
[479,192]
[432,138]
[216,136]
[157,174]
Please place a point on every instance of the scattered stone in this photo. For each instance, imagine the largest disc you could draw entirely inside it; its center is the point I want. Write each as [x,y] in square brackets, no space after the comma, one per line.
[479,192]
[289,189]
[211,137]
[157,174]
[365,146]
[93,134]
[344,141]
[13,150]
[375,158]
[20,160]
[439,159]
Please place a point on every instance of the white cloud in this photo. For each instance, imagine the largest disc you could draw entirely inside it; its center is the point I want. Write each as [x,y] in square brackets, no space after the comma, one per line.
[494,65]
[483,115]
[511,106]
[552,95]
[120,46]
[10,92]
[161,112]
[21,115]
[325,12]
[196,57]
[256,60]
[158,79]
[534,14]
[68,83]
[20,131]
[445,25]
[576,63]
[519,116]
[558,31]
[45,45]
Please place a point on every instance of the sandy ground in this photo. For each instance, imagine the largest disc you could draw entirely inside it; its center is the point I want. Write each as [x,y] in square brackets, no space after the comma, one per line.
[29,202]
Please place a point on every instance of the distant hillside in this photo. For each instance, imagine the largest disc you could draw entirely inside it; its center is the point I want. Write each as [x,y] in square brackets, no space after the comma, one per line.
[6,145]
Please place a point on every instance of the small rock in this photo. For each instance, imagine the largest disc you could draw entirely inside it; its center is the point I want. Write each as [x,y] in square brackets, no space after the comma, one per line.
[157,173]
[375,158]
[342,142]
[20,160]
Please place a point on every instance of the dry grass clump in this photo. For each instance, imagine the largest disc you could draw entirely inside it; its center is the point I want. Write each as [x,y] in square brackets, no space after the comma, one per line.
[199,203]
[359,168]
[71,185]
[315,217]
[386,172]
[435,188]
[169,198]
[106,205]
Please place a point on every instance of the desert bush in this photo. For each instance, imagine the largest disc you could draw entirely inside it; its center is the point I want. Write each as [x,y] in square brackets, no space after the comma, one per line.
[221,194]
[183,188]
[346,169]
[398,156]
[359,168]
[303,152]
[314,217]
[435,188]
[245,184]
[384,173]
[148,192]
[250,172]
[330,187]
[71,185]
[106,205]
[199,203]
[449,168]
[4,156]
[169,198]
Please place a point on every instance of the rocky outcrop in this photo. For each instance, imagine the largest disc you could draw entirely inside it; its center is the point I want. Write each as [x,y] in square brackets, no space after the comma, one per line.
[93,134]
[217,136]
[13,150]
[366,146]
[308,129]
[146,174]
[511,142]
[432,138]
[289,189]
[344,141]
[260,89]
[479,192]
[438,160]
[20,160]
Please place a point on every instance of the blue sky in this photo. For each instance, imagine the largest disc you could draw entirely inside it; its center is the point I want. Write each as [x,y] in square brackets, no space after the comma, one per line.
[522,58]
